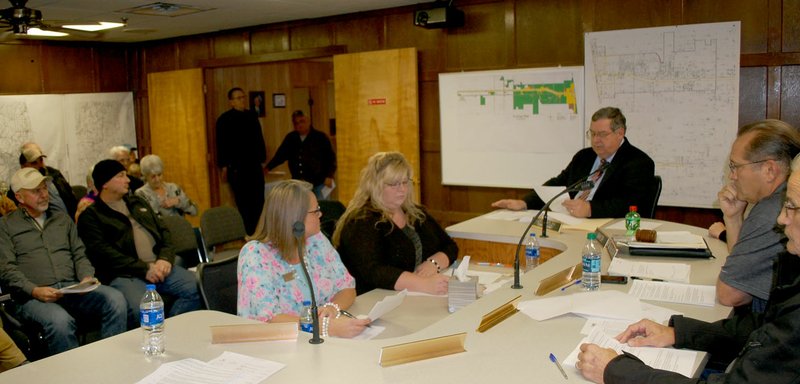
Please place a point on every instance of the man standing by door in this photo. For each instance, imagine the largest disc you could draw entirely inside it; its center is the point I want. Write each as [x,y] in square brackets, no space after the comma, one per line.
[242,155]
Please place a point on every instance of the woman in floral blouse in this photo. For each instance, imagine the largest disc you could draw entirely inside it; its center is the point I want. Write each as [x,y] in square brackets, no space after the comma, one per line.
[272,285]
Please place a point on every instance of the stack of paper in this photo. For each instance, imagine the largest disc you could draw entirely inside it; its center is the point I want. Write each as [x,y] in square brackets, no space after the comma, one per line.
[460,294]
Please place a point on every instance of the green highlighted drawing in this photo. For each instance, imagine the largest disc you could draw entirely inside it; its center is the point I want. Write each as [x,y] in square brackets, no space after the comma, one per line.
[529,94]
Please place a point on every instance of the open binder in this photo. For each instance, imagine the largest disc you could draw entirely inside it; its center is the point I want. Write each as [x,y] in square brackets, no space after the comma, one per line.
[635,248]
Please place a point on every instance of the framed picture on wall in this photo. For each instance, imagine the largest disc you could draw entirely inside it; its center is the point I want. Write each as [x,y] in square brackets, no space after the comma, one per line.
[279,100]
[257,103]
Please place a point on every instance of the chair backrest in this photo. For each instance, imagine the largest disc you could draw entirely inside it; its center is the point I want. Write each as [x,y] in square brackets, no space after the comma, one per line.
[218,284]
[332,210]
[655,194]
[79,191]
[221,225]
[184,241]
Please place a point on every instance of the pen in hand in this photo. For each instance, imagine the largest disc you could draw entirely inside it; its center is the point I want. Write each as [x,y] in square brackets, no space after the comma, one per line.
[558,365]
[350,315]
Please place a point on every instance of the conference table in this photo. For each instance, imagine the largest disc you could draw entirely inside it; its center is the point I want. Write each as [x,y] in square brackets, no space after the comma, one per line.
[514,351]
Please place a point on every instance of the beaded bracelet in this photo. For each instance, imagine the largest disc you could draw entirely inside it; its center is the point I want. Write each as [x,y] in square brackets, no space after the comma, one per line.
[325,323]
[335,306]
[436,263]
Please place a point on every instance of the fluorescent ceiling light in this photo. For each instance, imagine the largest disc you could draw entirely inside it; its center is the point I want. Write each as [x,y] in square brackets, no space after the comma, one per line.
[40,32]
[103,25]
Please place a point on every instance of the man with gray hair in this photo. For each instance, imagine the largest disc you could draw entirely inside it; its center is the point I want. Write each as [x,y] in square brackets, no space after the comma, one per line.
[41,253]
[759,167]
[122,154]
[625,181]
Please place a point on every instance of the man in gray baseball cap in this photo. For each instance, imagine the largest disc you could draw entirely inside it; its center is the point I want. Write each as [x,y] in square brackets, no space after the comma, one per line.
[41,253]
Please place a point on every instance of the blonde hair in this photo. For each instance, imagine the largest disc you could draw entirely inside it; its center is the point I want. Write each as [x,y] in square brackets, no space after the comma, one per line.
[287,203]
[381,169]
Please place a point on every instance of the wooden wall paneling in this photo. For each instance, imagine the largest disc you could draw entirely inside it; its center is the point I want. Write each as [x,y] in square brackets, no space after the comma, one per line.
[361,34]
[230,44]
[67,69]
[752,94]
[364,128]
[191,51]
[22,69]
[161,56]
[790,33]
[790,95]
[480,44]
[609,15]
[549,33]
[269,40]
[309,35]
[752,13]
[429,43]
[112,69]
[774,92]
[177,127]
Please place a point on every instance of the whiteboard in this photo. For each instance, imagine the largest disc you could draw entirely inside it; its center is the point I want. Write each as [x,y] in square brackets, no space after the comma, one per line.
[679,89]
[75,131]
[509,128]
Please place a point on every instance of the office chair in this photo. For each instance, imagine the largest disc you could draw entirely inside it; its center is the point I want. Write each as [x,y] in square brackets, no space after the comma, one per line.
[184,241]
[221,225]
[655,194]
[332,210]
[218,284]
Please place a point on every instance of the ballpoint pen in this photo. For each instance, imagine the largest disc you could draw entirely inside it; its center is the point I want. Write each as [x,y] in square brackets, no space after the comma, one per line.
[558,365]
[576,282]
[348,314]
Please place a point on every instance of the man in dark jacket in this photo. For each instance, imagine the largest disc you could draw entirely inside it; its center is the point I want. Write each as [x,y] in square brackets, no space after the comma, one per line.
[766,347]
[130,246]
[626,179]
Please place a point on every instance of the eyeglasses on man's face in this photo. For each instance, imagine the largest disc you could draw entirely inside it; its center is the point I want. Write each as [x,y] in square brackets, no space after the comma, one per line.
[734,167]
[602,135]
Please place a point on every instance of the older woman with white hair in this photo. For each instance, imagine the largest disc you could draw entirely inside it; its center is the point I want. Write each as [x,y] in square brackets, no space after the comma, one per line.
[168,199]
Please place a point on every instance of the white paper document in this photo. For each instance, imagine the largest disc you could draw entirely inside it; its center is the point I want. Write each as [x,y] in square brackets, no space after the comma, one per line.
[670,359]
[614,327]
[676,272]
[82,287]
[370,332]
[386,305]
[547,192]
[228,368]
[606,304]
[674,292]
[326,190]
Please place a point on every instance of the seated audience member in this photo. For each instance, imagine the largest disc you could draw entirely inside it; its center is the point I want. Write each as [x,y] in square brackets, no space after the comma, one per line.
[91,195]
[165,198]
[272,284]
[122,154]
[10,355]
[763,348]
[759,166]
[627,180]
[61,197]
[40,252]
[130,246]
[385,239]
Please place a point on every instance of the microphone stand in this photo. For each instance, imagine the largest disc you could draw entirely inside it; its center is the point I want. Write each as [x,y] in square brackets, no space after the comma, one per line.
[579,186]
[299,230]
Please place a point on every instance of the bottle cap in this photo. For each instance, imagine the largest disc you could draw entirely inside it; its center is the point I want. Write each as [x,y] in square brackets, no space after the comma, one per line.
[591,235]
[150,287]
[532,234]
[306,302]
[633,208]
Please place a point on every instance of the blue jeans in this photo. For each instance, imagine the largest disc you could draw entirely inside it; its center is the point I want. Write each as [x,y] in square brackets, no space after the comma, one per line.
[59,320]
[318,192]
[180,284]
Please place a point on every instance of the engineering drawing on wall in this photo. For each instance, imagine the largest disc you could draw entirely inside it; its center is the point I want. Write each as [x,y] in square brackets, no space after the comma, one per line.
[519,126]
[679,88]
[75,131]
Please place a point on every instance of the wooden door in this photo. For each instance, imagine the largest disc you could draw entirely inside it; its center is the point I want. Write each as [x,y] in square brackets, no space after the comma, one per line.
[376,110]
[176,103]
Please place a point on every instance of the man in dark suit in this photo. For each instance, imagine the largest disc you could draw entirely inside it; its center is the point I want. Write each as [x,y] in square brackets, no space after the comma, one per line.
[626,180]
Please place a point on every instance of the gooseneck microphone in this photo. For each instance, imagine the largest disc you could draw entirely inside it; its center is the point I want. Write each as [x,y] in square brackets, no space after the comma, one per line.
[299,232]
[581,185]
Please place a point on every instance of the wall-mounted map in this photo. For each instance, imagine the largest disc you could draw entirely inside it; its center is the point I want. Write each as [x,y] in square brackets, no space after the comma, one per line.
[75,131]
[510,128]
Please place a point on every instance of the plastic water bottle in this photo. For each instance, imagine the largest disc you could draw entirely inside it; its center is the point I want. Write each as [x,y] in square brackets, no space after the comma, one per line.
[306,319]
[531,253]
[591,263]
[632,219]
[151,316]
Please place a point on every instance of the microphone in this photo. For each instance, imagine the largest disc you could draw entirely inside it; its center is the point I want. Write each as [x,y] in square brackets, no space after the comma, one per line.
[299,232]
[581,185]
